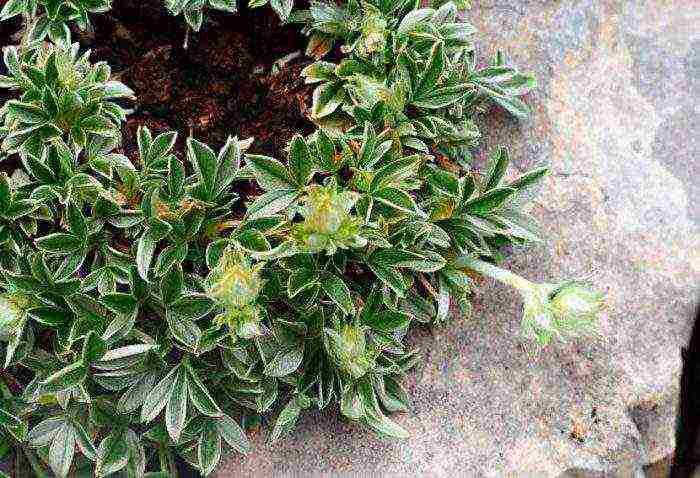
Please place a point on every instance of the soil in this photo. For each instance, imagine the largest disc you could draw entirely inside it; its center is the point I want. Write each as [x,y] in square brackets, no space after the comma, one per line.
[222,84]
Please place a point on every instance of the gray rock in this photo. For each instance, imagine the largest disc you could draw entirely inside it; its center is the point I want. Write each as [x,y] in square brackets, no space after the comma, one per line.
[616,118]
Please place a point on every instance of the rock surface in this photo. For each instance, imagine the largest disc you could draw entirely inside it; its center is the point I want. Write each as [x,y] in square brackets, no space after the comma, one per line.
[616,118]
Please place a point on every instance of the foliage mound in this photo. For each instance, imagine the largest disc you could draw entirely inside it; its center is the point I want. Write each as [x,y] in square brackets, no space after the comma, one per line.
[144,304]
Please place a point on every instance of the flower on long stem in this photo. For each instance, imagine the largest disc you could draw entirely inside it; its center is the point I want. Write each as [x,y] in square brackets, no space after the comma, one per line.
[567,309]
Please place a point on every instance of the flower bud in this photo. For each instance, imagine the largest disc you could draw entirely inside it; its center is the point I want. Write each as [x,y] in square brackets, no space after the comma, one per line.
[235,285]
[576,305]
[349,346]
[328,223]
[568,309]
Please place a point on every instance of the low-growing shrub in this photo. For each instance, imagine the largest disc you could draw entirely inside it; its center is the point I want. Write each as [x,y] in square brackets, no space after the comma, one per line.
[145,303]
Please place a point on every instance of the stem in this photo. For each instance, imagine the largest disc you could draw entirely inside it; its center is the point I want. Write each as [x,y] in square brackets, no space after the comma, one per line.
[494,272]
[186,43]
[166,460]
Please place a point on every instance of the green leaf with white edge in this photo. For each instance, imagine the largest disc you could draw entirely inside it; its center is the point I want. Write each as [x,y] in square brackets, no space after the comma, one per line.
[511,104]
[285,362]
[300,161]
[326,99]
[426,262]
[160,146]
[233,434]
[59,243]
[398,199]
[159,396]
[76,222]
[270,173]
[120,303]
[144,254]
[93,347]
[144,139]
[529,179]
[388,321]
[116,89]
[194,18]
[499,164]
[229,159]
[414,19]
[434,70]
[192,307]
[65,379]
[336,290]
[200,396]
[171,284]
[389,276]
[62,450]
[383,425]
[11,60]
[319,71]
[27,112]
[208,448]
[123,356]
[98,124]
[112,454]
[84,442]
[286,420]
[42,434]
[205,164]
[443,181]
[442,97]
[271,203]
[488,202]
[301,280]
[184,330]
[176,408]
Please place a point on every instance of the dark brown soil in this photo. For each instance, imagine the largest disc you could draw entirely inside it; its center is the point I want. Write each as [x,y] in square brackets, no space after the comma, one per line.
[220,85]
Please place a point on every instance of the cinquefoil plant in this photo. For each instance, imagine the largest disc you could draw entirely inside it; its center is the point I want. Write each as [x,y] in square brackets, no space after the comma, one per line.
[146,305]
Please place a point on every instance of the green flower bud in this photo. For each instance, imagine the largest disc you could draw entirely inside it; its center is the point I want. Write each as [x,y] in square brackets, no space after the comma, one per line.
[349,348]
[235,285]
[568,309]
[328,223]
[576,305]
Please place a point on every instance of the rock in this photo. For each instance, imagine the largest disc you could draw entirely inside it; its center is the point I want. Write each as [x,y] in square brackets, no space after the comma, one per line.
[615,117]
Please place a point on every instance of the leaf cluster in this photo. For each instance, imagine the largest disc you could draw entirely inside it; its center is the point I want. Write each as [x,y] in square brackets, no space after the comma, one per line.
[194,10]
[152,300]
[413,69]
[65,102]
[52,18]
